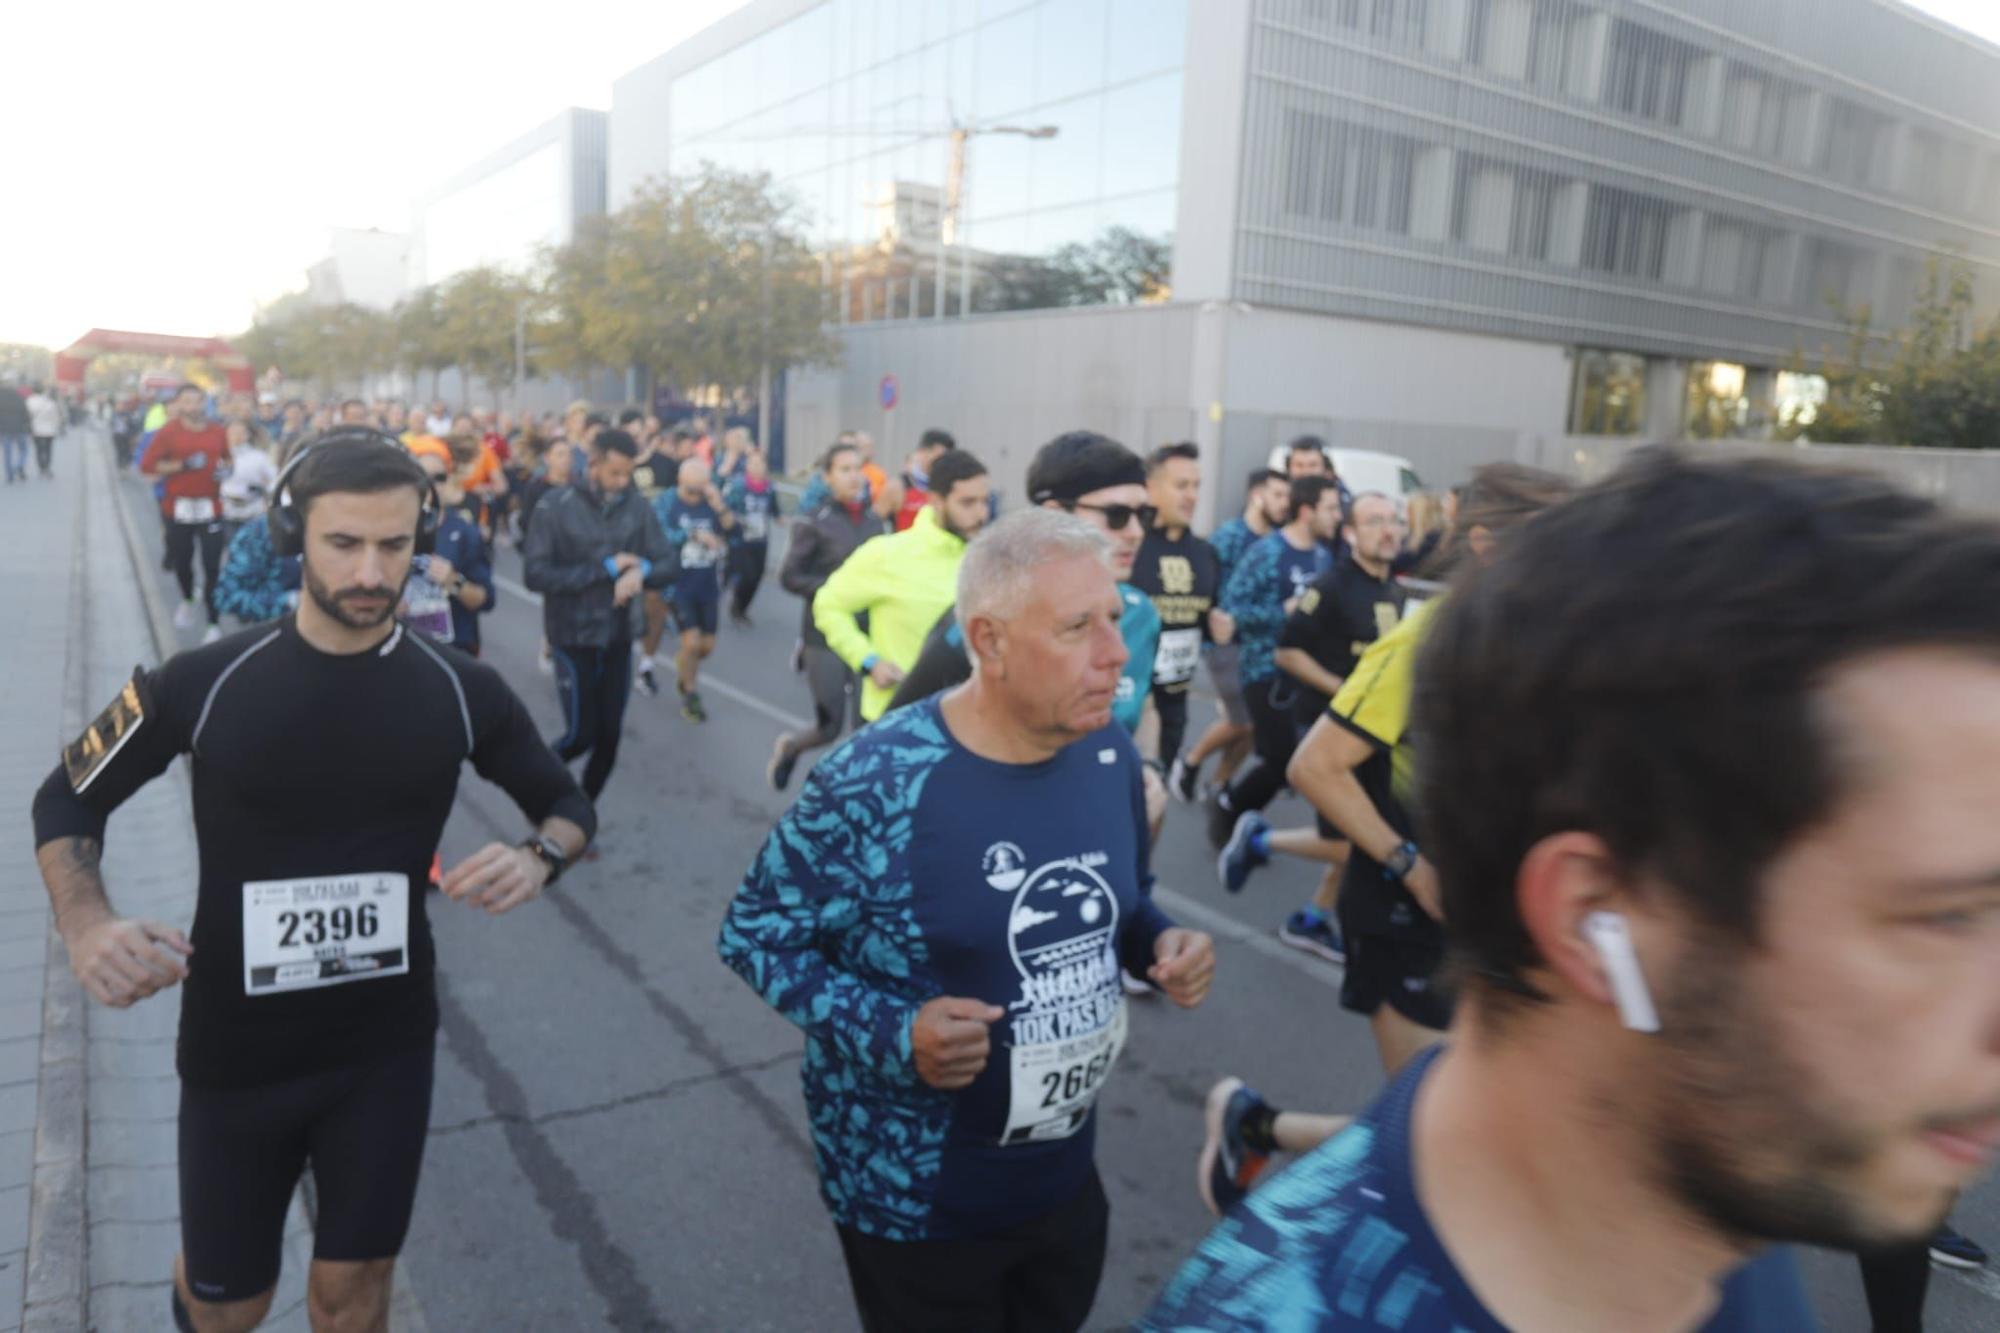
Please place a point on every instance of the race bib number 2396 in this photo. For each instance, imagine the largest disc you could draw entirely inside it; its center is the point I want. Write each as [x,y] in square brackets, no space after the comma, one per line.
[303,933]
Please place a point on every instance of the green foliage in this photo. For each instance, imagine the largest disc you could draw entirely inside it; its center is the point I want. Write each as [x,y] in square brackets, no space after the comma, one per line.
[1120,267]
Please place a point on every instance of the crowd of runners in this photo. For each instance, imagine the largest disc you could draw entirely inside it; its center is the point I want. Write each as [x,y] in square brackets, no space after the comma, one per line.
[1675,923]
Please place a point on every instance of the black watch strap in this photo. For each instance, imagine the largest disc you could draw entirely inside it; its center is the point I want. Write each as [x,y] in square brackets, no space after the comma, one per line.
[551,855]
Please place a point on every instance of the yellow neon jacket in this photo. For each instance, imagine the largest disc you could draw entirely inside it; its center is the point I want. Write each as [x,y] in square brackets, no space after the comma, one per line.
[904,581]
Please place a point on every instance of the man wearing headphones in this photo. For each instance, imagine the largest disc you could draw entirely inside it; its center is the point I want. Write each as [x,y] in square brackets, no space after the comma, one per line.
[325,753]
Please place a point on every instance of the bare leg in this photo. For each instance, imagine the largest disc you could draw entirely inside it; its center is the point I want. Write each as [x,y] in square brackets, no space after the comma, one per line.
[656,623]
[1301,1131]
[1242,744]
[687,662]
[220,1316]
[1398,1039]
[344,1297]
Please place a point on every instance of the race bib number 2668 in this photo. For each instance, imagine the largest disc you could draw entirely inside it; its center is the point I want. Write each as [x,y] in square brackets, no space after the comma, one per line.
[303,933]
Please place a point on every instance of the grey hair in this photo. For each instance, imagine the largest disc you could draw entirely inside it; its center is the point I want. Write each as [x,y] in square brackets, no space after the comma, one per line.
[1000,563]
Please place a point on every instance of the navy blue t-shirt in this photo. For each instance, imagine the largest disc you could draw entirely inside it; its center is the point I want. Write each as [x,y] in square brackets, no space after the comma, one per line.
[682,522]
[911,868]
[1338,1243]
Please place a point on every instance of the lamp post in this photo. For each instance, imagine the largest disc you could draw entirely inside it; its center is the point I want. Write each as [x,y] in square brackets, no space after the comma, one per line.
[954,203]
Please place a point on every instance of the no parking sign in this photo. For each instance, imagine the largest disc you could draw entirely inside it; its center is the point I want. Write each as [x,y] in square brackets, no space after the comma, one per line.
[888,392]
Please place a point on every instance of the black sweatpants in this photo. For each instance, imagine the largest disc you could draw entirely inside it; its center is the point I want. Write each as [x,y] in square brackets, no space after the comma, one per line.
[835,694]
[1039,1277]
[1171,703]
[1276,737]
[45,446]
[594,684]
[746,571]
[1896,1282]
[182,539]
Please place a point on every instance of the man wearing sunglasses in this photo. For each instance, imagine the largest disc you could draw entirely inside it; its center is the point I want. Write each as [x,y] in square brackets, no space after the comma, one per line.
[1104,483]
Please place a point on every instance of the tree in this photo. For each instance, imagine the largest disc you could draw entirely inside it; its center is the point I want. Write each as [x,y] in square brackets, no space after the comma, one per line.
[419,337]
[1120,267]
[476,312]
[698,280]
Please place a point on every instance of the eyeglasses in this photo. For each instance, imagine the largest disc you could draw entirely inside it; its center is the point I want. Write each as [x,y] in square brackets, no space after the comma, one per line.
[1116,517]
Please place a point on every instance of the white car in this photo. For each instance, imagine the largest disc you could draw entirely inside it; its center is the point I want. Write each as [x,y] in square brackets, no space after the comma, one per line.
[1365,470]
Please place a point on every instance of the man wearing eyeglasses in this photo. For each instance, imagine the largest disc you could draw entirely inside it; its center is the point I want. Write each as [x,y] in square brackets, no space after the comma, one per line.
[1104,483]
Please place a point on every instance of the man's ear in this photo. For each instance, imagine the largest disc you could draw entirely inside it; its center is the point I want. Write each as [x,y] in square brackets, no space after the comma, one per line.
[986,644]
[1567,886]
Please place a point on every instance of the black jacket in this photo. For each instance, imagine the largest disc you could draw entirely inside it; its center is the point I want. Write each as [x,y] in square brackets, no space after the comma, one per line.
[573,533]
[820,542]
[13,412]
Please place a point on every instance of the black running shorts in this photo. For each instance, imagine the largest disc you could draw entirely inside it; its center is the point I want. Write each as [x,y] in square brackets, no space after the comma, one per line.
[362,1128]
[1409,978]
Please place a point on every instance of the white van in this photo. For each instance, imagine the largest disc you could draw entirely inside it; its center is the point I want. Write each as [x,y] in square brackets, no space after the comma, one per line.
[1365,470]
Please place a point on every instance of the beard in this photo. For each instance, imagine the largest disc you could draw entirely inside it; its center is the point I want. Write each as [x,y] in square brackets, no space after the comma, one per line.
[1745,1140]
[339,606]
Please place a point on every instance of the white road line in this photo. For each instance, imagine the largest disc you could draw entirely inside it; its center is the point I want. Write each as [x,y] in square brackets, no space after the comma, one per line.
[1184,908]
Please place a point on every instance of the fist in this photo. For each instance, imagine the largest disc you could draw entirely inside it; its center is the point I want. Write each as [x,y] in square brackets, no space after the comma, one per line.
[1221,625]
[950,1041]
[1184,965]
[497,877]
[121,962]
[629,585]
[886,674]
[1422,882]
[439,570]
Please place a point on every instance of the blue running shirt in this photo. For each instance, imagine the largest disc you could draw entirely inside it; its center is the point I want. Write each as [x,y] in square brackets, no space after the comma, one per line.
[1337,1243]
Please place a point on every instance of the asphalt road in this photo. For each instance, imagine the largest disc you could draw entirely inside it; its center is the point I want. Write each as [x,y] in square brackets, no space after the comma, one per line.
[618,1138]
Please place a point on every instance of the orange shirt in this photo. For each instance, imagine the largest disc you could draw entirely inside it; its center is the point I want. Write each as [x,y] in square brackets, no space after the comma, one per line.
[484,472]
[878,480]
[420,444]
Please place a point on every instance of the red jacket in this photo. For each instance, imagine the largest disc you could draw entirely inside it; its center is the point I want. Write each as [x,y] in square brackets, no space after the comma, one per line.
[915,498]
[175,440]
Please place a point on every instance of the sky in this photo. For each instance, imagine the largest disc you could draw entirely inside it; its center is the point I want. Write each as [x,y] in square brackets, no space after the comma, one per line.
[171,169]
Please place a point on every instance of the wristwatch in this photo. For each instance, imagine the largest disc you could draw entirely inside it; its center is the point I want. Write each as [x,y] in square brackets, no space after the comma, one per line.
[550,853]
[1402,861]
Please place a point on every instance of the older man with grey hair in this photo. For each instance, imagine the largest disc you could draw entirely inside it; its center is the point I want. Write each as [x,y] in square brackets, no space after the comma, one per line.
[945,913]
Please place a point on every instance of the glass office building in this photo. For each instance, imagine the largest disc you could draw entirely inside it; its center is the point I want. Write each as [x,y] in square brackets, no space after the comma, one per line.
[1650,209]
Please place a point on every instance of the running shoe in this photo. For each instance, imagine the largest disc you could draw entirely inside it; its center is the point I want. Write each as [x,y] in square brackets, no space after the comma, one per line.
[185,614]
[1239,856]
[1321,937]
[212,634]
[1135,985]
[648,685]
[1955,1251]
[779,770]
[1228,1167]
[691,708]
[1181,780]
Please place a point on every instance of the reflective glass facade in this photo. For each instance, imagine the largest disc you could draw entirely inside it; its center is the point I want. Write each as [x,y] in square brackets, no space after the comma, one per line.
[852,105]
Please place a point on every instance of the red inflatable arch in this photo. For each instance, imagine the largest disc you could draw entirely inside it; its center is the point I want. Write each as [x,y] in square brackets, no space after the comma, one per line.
[71,361]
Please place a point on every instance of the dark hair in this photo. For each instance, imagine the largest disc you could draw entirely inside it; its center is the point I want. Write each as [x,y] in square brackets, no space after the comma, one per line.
[1644,661]
[1075,464]
[1304,442]
[934,437]
[834,451]
[1499,498]
[683,432]
[611,440]
[354,464]
[630,415]
[956,466]
[1305,494]
[1261,476]
[185,388]
[1166,453]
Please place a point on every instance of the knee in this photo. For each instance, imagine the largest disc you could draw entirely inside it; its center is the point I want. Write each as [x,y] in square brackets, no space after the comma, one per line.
[355,1300]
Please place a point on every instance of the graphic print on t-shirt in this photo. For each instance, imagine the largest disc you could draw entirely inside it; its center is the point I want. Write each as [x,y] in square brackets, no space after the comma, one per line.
[1067,1025]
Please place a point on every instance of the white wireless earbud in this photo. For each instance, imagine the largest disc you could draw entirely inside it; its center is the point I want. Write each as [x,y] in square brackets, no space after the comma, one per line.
[1607,934]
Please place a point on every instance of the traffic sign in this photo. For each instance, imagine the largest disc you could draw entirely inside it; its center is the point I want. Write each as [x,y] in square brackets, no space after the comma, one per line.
[888,392]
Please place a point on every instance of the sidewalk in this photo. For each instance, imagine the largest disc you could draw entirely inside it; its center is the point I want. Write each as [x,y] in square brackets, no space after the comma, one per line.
[89,1212]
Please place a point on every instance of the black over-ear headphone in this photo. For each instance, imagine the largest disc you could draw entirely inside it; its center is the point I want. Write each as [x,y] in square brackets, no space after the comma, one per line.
[288,525]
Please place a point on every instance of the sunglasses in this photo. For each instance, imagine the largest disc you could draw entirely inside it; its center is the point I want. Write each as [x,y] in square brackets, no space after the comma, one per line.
[1116,517]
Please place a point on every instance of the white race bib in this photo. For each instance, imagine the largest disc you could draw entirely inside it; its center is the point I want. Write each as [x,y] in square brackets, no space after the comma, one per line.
[1180,652]
[303,933]
[697,554]
[426,605]
[756,526]
[194,509]
[1055,1083]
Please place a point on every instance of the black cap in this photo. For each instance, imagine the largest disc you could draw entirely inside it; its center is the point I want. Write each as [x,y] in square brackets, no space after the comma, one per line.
[1071,466]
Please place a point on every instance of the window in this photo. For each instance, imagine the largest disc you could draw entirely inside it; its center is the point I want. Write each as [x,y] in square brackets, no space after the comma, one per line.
[1646,73]
[1340,172]
[1762,113]
[1609,395]
[1829,275]
[1504,208]
[1859,146]
[1626,233]
[1739,258]
[1390,20]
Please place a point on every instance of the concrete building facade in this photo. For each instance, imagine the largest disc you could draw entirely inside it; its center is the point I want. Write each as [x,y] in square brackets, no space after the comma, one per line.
[366,267]
[1433,226]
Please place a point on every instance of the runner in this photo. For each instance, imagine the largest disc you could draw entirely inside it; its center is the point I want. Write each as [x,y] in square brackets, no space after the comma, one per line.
[185,455]
[1182,575]
[1725,915]
[458,568]
[1349,607]
[248,478]
[654,472]
[309,1012]
[962,1186]
[1262,590]
[821,541]
[698,525]
[590,550]
[902,582]
[15,432]
[45,422]
[1264,499]
[932,445]
[754,501]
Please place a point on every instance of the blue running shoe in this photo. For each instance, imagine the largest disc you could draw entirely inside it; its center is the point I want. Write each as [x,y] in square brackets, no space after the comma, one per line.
[1228,1166]
[1239,856]
[1318,937]
[1955,1251]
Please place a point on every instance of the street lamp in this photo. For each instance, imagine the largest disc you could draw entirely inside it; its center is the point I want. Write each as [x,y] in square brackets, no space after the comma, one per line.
[954,202]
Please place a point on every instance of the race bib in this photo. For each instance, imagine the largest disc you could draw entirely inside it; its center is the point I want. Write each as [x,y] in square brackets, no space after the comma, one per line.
[1055,1083]
[1180,652]
[194,509]
[697,554]
[426,605]
[299,934]
[756,526]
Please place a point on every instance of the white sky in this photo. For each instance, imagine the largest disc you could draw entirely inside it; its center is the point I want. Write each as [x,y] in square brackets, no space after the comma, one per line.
[170,168]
